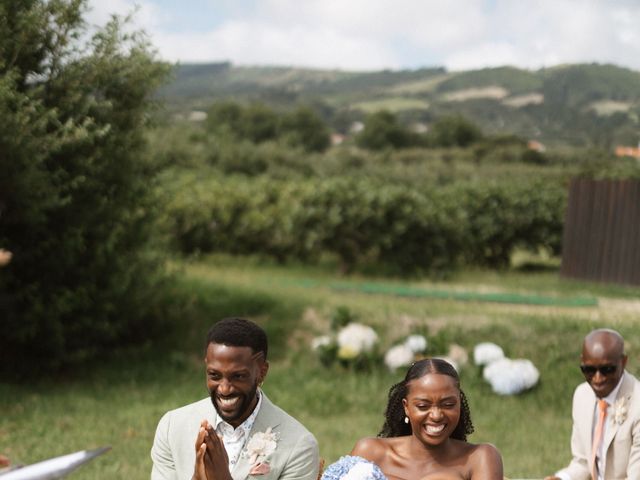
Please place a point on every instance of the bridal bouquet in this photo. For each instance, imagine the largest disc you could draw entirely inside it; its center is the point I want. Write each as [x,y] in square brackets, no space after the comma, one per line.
[352,467]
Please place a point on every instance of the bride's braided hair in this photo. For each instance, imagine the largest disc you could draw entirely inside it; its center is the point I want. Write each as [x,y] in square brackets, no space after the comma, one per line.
[394,425]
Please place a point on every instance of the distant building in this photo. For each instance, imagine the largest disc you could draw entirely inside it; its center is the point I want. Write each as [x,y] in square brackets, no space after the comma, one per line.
[197,116]
[356,127]
[622,151]
[337,139]
[536,146]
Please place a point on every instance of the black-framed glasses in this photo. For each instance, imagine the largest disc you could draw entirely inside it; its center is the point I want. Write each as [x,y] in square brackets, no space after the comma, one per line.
[590,370]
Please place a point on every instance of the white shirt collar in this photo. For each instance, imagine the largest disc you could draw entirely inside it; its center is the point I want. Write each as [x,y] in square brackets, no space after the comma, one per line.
[246,426]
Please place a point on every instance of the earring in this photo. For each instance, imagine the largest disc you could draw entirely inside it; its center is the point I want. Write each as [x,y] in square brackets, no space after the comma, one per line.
[406,419]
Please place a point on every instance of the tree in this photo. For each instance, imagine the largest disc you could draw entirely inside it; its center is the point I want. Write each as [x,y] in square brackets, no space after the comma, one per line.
[303,127]
[454,130]
[76,207]
[382,130]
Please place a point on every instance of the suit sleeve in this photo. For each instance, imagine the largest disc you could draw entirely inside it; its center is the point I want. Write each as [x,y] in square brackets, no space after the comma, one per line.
[163,464]
[633,468]
[303,463]
[578,469]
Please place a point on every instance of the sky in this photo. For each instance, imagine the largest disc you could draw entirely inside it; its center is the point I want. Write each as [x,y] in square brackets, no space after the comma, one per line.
[387,34]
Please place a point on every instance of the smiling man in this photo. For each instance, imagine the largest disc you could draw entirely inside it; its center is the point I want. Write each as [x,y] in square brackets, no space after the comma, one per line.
[605,441]
[237,431]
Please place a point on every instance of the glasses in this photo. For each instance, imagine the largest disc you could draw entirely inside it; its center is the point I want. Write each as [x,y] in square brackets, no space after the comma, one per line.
[590,370]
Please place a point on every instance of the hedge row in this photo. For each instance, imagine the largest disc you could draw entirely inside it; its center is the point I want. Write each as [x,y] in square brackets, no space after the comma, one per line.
[361,221]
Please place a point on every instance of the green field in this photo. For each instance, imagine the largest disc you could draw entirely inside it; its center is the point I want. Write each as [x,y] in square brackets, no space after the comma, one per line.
[119,402]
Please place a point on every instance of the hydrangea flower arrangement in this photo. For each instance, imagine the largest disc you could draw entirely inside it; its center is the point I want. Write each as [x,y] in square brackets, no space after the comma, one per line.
[351,343]
[486,352]
[402,355]
[506,376]
[352,467]
[510,377]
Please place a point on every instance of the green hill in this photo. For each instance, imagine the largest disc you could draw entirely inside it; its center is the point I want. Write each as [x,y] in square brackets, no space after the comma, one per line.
[586,104]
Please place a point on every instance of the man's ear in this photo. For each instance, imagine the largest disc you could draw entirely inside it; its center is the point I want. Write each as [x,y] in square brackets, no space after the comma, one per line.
[264,369]
[624,361]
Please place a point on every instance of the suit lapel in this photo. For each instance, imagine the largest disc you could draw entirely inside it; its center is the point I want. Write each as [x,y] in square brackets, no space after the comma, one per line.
[612,427]
[264,420]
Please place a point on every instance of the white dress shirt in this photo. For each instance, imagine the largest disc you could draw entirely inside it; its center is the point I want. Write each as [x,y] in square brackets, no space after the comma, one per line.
[234,439]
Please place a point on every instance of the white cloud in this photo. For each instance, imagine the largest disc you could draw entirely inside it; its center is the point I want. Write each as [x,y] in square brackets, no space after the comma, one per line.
[375,34]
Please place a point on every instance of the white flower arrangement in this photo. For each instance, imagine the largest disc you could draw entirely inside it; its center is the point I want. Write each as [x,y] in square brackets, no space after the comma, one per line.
[399,356]
[260,446]
[486,353]
[620,410]
[416,343]
[510,377]
[356,338]
[321,341]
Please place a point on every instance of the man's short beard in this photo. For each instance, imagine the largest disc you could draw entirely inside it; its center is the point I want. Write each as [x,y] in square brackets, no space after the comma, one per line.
[244,406]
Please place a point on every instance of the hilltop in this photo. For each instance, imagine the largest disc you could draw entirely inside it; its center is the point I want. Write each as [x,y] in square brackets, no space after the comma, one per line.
[583,104]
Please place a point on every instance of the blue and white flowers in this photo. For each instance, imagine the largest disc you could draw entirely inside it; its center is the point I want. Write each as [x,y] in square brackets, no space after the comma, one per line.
[353,468]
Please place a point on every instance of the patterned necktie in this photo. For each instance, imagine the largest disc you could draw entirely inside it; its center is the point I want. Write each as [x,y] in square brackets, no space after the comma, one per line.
[597,436]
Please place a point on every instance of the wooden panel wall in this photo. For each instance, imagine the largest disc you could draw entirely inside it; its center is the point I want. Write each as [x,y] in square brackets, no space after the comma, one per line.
[601,239]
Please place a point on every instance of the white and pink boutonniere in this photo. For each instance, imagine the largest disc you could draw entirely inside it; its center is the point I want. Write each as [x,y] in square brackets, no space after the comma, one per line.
[620,410]
[259,447]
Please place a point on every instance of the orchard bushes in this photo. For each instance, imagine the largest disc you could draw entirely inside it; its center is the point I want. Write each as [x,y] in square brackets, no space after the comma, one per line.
[362,221]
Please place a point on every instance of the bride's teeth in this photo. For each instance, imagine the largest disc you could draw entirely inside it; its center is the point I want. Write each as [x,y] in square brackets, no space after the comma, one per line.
[434,429]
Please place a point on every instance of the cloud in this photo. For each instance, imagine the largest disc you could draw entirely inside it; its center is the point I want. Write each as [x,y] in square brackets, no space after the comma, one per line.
[376,34]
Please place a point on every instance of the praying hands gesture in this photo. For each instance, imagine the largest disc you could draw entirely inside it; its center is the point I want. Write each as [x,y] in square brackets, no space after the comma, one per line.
[212,462]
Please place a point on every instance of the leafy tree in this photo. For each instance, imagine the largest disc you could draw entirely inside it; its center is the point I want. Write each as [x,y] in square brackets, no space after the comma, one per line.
[75,199]
[382,130]
[304,128]
[259,123]
[225,116]
[454,130]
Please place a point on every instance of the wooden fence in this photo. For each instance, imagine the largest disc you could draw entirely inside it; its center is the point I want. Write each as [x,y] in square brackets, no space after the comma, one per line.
[601,239]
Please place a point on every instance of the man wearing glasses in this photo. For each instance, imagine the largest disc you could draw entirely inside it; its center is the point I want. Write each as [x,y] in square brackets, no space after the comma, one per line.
[605,441]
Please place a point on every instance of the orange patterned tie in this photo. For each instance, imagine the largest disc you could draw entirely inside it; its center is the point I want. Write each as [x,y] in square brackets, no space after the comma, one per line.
[597,436]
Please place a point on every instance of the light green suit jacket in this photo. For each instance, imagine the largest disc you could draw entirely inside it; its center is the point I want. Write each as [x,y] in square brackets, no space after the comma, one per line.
[173,453]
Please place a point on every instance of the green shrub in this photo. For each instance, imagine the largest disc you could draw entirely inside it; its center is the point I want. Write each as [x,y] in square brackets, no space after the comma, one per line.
[76,203]
[365,222]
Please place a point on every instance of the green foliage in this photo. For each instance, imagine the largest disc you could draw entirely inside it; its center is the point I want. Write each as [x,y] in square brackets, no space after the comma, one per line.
[304,128]
[453,131]
[364,222]
[382,130]
[75,199]
[258,123]
[501,217]
[559,106]
[341,317]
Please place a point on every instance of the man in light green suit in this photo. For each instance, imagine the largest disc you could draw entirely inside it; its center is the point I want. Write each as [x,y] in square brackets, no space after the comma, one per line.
[236,433]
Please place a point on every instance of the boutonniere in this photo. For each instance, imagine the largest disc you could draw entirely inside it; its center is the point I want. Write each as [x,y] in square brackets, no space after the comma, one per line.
[259,447]
[620,410]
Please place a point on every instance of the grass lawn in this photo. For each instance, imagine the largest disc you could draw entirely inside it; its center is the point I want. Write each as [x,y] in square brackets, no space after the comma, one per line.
[119,402]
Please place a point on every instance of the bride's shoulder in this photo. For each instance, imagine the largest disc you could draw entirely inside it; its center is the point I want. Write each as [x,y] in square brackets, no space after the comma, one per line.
[371,448]
[485,456]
